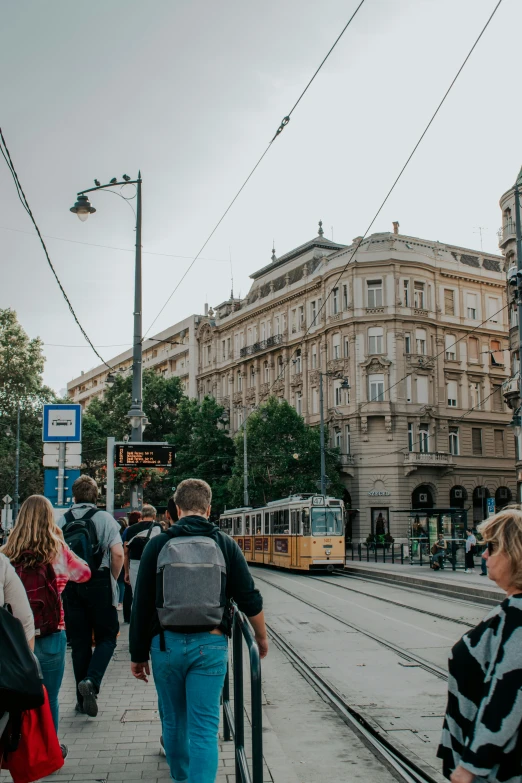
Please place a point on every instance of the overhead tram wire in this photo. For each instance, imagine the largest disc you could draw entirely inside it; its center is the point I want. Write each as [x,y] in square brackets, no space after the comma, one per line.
[21,195]
[282,126]
[401,172]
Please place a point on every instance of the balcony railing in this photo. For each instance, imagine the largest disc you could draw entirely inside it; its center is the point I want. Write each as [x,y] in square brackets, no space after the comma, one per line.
[507,231]
[434,458]
[248,350]
[511,387]
[347,459]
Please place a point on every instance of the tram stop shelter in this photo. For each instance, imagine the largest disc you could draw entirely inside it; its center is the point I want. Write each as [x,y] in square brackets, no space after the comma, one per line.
[425,526]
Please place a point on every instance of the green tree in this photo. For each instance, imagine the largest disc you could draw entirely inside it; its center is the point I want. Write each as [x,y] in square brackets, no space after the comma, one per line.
[204,449]
[108,416]
[284,456]
[21,367]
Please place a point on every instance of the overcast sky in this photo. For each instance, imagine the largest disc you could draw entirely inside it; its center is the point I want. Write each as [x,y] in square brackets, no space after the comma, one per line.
[191,93]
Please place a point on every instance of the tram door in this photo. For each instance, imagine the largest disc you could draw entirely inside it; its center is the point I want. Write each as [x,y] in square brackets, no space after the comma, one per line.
[294,539]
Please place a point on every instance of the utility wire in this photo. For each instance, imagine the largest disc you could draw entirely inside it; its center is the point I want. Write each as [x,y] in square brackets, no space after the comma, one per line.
[282,126]
[25,204]
[390,191]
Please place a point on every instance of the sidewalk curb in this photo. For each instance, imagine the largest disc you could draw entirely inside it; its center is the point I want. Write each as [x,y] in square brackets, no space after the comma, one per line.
[280,767]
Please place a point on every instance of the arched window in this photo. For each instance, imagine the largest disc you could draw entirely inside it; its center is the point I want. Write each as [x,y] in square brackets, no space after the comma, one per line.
[458,497]
[375,339]
[480,504]
[422,497]
[503,497]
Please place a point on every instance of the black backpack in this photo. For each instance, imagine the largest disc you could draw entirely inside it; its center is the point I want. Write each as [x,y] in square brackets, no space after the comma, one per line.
[138,542]
[81,537]
[20,676]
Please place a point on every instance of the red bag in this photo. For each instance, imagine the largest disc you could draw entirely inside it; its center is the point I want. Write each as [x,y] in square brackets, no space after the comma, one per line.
[39,753]
[42,591]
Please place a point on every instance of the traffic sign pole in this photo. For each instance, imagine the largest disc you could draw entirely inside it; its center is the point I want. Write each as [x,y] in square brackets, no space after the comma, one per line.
[109,501]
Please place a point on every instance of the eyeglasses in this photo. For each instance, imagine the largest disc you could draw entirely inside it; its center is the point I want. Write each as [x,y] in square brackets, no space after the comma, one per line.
[491,547]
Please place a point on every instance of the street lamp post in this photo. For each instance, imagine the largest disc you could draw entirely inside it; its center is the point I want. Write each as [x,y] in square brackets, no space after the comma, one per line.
[246,499]
[16,499]
[516,422]
[344,385]
[83,209]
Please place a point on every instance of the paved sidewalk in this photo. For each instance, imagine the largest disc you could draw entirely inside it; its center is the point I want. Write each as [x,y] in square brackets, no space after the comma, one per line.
[122,743]
[471,584]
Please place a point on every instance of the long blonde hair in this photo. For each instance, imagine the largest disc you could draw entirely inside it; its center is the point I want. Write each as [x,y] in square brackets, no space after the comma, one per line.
[36,532]
[505,530]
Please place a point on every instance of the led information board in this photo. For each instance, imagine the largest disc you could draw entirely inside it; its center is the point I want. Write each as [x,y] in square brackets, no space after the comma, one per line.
[144,455]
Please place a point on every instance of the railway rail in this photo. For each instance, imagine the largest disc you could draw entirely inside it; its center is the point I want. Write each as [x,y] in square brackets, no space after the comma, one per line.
[402,766]
[437,671]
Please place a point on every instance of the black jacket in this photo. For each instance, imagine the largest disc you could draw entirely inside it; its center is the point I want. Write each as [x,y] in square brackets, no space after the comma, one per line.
[144,623]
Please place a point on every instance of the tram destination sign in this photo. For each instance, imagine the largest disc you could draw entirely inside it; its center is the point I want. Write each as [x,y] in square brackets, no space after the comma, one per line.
[144,455]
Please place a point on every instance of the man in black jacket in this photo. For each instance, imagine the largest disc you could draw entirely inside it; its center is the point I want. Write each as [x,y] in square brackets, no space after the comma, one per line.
[190,662]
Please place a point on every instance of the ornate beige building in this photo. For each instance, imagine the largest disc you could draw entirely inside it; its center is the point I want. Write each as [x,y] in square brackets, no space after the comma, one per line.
[419,329]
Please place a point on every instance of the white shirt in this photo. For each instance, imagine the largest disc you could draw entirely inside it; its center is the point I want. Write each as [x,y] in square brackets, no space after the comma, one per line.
[12,592]
[470,541]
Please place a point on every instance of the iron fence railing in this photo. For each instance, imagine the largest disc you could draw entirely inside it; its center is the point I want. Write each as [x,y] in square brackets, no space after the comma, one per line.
[234,717]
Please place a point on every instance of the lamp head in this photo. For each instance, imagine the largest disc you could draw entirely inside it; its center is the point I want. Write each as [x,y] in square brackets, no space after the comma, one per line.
[109,380]
[83,207]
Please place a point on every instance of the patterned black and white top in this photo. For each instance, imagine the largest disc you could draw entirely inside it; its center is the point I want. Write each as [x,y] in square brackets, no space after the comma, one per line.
[482,726]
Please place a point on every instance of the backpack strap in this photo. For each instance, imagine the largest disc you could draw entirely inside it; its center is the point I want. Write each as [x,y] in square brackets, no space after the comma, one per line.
[149,531]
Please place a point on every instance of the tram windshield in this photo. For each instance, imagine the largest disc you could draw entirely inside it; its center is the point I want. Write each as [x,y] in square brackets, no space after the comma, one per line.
[327,522]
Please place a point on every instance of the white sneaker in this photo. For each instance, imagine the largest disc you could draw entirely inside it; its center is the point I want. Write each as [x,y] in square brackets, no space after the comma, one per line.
[162,747]
[466,570]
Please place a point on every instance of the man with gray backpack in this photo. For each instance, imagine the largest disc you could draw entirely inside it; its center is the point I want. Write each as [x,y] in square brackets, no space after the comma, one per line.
[181,619]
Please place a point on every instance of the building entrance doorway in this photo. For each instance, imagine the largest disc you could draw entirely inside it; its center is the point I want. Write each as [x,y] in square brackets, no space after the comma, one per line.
[480,504]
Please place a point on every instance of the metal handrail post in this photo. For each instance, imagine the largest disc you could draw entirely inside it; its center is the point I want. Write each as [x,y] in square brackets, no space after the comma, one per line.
[257,715]
[227,736]
[239,706]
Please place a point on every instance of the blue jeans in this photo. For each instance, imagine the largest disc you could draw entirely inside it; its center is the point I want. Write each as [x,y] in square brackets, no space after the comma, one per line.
[189,679]
[121,591]
[50,651]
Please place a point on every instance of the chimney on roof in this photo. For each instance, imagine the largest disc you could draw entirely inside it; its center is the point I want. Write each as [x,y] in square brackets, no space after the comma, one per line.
[395,226]
[206,309]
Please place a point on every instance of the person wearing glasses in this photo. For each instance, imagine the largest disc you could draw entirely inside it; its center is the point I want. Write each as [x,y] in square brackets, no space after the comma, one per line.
[481,734]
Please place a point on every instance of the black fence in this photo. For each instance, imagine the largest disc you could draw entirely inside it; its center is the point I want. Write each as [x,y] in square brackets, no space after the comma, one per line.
[234,718]
[417,552]
[377,553]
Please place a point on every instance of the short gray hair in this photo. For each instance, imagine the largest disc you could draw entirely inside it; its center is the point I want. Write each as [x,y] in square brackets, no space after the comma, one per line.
[148,511]
[193,495]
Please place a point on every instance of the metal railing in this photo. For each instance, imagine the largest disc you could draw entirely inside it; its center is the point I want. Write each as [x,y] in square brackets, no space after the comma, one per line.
[248,350]
[234,719]
[417,552]
[377,552]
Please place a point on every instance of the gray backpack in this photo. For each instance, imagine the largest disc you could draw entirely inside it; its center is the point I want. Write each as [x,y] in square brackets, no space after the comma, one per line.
[192,578]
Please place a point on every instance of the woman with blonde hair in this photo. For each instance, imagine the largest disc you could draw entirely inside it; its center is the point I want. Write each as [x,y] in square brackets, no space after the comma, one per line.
[481,735]
[45,564]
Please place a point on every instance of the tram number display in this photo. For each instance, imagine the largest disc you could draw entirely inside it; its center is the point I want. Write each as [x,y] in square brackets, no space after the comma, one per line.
[144,455]
[281,545]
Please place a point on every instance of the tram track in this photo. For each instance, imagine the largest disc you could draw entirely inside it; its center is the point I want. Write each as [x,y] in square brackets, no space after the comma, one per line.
[431,668]
[401,766]
[437,615]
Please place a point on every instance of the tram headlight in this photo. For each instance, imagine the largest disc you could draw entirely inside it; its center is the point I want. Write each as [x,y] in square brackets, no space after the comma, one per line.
[328,551]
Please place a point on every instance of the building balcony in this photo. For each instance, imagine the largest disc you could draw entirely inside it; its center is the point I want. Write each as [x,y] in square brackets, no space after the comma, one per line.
[506,232]
[511,391]
[414,460]
[262,345]
[347,464]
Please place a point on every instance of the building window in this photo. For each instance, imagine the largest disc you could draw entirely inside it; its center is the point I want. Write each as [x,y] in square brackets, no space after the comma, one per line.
[335,301]
[209,354]
[229,346]
[420,342]
[476,441]
[314,357]
[376,387]
[496,357]
[345,296]
[493,308]
[299,403]
[301,317]
[499,443]
[313,313]
[338,439]
[451,348]
[454,441]
[297,362]
[422,389]
[347,443]
[239,417]
[452,393]
[294,320]
[406,293]
[266,368]
[252,376]
[408,388]
[346,347]
[410,437]
[223,349]
[341,396]
[475,395]
[497,403]
[374,293]
[315,400]
[471,300]
[336,346]
[473,349]
[280,368]
[419,295]
[277,325]
[407,343]
[375,339]
[449,301]
[239,382]
[424,438]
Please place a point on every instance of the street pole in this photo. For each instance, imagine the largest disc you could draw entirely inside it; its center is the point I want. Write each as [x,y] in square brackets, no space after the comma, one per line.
[109,493]
[17,466]
[246,501]
[518,227]
[136,412]
[323,454]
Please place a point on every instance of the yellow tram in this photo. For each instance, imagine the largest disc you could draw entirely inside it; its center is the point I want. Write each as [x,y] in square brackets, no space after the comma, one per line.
[302,532]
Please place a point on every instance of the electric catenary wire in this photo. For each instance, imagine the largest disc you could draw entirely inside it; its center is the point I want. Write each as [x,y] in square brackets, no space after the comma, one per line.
[21,195]
[390,191]
[282,126]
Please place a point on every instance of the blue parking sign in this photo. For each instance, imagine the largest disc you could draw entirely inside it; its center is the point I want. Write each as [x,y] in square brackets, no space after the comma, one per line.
[62,423]
[491,506]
